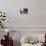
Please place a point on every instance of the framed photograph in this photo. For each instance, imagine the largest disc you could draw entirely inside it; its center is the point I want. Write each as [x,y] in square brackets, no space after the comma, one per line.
[24,11]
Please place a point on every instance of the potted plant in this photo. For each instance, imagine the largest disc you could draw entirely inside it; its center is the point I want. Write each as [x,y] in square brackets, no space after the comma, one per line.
[2,19]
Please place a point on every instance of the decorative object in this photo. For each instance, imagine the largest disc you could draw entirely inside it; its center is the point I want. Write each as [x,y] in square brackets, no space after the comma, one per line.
[7,30]
[8,40]
[2,19]
[44,44]
[24,11]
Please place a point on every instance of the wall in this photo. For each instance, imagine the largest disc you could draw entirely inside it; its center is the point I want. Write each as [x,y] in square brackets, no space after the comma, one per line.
[12,9]
[39,13]
[35,19]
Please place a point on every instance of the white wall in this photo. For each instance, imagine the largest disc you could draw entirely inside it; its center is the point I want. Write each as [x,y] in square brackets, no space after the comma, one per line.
[13,12]
[38,13]
[35,19]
